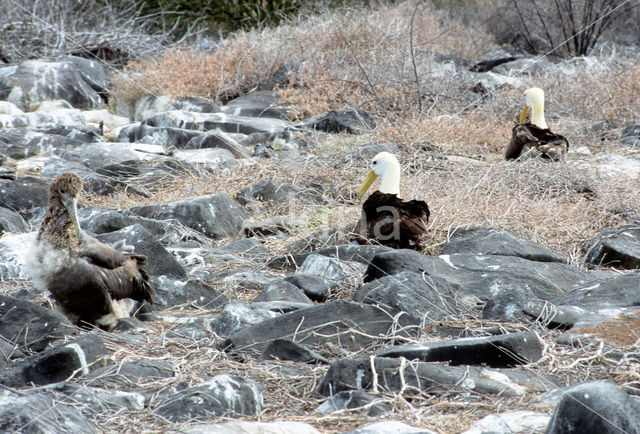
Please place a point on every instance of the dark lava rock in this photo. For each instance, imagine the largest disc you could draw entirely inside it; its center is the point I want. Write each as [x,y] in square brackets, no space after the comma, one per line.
[11,221]
[353,399]
[221,396]
[21,143]
[159,261]
[275,191]
[237,316]
[148,105]
[616,292]
[616,247]
[490,241]
[30,326]
[165,136]
[177,291]
[259,103]
[73,80]
[129,374]
[217,139]
[345,252]
[286,349]
[211,121]
[8,353]
[281,290]
[216,216]
[395,375]
[477,274]
[314,287]
[24,193]
[347,324]
[502,351]
[55,364]
[425,297]
[37,414]
[595,407]
[341,121]
[488,65]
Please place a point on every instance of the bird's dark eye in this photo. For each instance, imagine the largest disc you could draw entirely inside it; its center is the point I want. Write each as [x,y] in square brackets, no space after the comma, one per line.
[375,162]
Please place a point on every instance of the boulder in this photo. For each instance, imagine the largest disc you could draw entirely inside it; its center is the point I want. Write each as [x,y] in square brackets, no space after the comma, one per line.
[314,287]
[129,374]
[216,216]
[501,351]
[286,349]
[217,139]
[353,399]
[55,364]
[616,247]
[247,427]
[211,121]
[169,137]
[148,105]
[281,290]
[397,375]
[345,252]
[31,326]
[11,221]
[425,297]
[24,193]
[177,291]
[237,316]
[390,427]
[73,79]
[511,422]
[259,104]
[346,324]
[596,406]
[340,121]
[490,241]
[221,396]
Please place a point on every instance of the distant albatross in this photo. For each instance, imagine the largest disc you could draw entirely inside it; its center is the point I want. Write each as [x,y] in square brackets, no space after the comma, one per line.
[385,217]
[535,134]
[92,283]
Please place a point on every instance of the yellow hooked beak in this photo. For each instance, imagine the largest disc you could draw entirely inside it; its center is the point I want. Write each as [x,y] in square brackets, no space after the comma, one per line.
[525,113]
[371,176]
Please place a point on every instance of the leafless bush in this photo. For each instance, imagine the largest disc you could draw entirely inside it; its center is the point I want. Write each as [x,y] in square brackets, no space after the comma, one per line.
[566,28]
[113,30]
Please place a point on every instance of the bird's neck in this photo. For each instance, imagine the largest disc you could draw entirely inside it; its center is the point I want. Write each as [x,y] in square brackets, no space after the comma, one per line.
[391,180]
[57,227]
[537,116]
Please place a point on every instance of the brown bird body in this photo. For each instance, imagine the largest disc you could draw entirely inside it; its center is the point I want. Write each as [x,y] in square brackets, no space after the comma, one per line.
[535,136]
[392,221]
[525,137]
[385,217]
[92,283]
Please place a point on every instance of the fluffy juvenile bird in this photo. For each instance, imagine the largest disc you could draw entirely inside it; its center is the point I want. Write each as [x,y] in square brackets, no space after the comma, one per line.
[92,283]
[535,134]
[385,217]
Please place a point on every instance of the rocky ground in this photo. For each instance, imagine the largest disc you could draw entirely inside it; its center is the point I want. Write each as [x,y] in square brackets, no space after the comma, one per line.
[519,315]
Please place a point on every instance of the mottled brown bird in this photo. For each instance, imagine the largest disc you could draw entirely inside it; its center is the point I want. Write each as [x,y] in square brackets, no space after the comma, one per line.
[92,283]
[385,217]
[535,136]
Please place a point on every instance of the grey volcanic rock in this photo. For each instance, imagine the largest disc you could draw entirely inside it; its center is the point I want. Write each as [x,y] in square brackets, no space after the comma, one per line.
[286,349]
[275,191]
[347,324]
[55,364]
[388,427]
[24,193]
[616,292]
[211,121]
[249,427]
[616,247]
[165,136]
[129,374]
[394,375]
[237,316]
[425,297]
[72,80]
[281,290]
[159,261]
[223,395]
[217,139]
[490,241]
[21,143]
[11,221]
[37,414]
[97,155]
[31,326]
[314,287]
[176,291]
[502,351]
[353,399]
[148,105]
[9,352]
[332,270]
[340,121]
[216,215]
[259,104]
[477,274]
[597,407]
[363,254]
